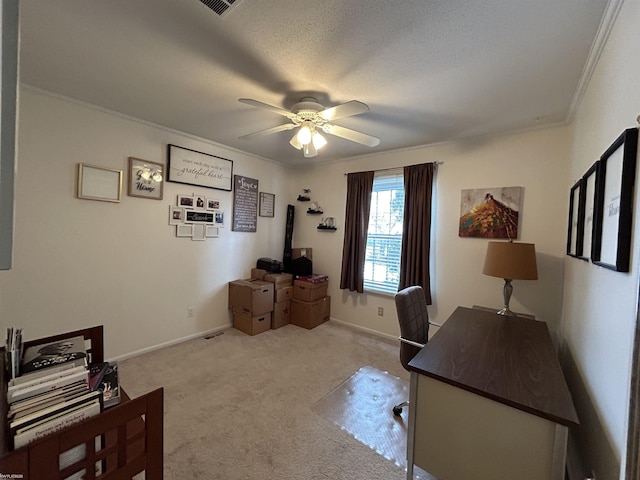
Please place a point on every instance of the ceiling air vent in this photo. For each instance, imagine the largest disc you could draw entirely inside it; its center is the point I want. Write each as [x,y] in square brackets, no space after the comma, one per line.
[221,7]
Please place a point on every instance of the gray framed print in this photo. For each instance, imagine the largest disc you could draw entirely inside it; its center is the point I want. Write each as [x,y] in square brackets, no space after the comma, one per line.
[98,183]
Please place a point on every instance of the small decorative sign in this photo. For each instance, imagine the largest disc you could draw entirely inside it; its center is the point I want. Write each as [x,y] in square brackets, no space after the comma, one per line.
[194,216]
[245,204]
[145,179]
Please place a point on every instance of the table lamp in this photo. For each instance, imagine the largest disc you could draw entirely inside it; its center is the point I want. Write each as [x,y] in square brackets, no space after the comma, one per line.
[510,261]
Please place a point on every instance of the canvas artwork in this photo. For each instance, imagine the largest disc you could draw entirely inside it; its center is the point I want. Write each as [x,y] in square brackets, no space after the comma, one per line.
[490,212]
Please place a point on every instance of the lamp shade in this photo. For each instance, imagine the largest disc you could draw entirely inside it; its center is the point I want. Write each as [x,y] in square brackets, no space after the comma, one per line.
[511,260]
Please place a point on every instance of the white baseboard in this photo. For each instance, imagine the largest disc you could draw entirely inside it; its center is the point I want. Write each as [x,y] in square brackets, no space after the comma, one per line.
[169,343]
[393,338]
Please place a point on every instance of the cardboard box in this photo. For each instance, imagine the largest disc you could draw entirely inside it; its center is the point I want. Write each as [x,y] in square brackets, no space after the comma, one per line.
[281,314]
[279,280]
[301,252]
[309,292]
[252,325]
[282,294]
[310,314]
[250,297]
[258,273]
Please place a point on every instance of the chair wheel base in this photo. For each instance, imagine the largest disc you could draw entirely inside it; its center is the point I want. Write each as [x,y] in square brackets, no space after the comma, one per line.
[397,411]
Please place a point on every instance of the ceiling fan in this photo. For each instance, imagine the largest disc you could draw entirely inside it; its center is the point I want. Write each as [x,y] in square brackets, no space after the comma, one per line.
[310,117]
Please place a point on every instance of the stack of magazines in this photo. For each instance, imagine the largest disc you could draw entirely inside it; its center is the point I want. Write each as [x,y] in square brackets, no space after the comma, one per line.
[51,392]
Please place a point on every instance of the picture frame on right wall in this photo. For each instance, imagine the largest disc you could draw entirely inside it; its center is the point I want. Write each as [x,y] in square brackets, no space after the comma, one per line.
[587,210]
[614,203]
[576,220]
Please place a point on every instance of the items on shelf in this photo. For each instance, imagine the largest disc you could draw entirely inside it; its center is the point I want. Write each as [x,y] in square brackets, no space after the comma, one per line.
[304,196]
[328,223]
[315,209]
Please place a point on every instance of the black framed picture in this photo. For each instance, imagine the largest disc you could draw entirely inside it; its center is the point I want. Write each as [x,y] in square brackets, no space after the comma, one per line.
[614,203]
[588,202]
[576,220]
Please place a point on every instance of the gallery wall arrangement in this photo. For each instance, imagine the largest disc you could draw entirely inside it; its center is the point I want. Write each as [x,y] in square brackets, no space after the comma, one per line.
[601,207]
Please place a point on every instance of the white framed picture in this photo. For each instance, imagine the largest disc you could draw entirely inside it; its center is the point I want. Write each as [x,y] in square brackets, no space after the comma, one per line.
[184,231]
[176,215]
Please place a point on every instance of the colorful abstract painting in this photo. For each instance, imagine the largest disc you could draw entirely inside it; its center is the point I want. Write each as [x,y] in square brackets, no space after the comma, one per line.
[490,212]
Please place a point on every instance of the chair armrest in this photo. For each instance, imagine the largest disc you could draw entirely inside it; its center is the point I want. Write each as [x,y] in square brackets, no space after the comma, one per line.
[411,342]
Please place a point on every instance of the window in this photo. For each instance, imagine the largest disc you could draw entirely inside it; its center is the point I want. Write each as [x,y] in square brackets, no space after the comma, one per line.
[384,237]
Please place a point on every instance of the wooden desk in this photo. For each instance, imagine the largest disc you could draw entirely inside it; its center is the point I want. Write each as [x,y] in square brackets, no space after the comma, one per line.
[489,401]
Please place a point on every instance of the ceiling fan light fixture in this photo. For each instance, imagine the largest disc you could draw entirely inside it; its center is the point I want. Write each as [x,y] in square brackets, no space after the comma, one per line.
[318,141]
[295,143]
[309,150]
[304,134]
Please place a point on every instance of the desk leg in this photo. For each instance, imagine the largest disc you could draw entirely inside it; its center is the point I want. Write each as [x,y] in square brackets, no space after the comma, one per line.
[559,451]
[413,401]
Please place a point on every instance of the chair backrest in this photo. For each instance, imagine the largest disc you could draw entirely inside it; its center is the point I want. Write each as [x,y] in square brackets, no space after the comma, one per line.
[411,305]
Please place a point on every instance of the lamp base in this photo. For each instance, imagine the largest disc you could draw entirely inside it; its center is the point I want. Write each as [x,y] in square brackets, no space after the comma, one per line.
[507,312]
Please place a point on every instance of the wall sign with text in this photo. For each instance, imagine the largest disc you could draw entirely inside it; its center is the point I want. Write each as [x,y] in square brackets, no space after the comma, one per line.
[245,204]
[197,168]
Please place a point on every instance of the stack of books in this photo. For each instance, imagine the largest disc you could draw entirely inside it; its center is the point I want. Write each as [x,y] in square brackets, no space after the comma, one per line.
[52,391]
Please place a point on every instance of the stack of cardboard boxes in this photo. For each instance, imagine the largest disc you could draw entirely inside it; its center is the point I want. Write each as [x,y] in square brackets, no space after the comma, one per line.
[310,305]
[271,300]
[251,302]
[282,295]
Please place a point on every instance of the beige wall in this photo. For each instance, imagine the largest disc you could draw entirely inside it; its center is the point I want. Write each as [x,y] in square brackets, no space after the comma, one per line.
[80,262]
[536,161]
[600,305]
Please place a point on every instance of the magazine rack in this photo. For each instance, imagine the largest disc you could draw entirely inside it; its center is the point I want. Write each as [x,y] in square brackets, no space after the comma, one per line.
[131,433]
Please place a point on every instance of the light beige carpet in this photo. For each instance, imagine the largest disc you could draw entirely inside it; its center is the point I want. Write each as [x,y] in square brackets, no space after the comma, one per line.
[241,407]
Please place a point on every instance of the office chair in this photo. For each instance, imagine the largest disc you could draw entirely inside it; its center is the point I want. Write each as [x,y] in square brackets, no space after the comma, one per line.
[411,305]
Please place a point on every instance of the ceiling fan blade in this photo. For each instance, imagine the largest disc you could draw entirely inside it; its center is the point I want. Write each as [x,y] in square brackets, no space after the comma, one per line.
[352,135]
[271,108]
[279,128]
[344,110]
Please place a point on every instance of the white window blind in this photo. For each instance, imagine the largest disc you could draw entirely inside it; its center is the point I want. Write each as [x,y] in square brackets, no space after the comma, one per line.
[384,237]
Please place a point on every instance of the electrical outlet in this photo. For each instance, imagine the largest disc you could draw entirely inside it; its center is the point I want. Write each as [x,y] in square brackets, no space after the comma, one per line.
[380,311]
[191,312]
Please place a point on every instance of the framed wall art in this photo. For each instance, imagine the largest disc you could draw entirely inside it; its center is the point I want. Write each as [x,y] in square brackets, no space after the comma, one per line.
[576,220]
[589,182]
[146,179]
[614,204]
[267,203]
[245,204]
[490,212]
[176,215]
[197,168]
[98,183]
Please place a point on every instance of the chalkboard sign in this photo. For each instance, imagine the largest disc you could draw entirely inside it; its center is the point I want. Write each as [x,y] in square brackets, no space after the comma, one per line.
[245,204]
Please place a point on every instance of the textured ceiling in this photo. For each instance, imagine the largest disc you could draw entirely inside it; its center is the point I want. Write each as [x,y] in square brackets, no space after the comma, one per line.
[430,71]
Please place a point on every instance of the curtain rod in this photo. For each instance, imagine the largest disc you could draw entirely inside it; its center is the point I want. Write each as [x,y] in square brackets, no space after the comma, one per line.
[401,166]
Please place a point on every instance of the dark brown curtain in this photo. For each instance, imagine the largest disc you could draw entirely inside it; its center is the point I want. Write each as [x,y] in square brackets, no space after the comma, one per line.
[416,233]
[356,224]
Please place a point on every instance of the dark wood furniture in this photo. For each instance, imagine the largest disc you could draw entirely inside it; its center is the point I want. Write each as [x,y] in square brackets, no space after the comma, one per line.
[490,400]
[131,433]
